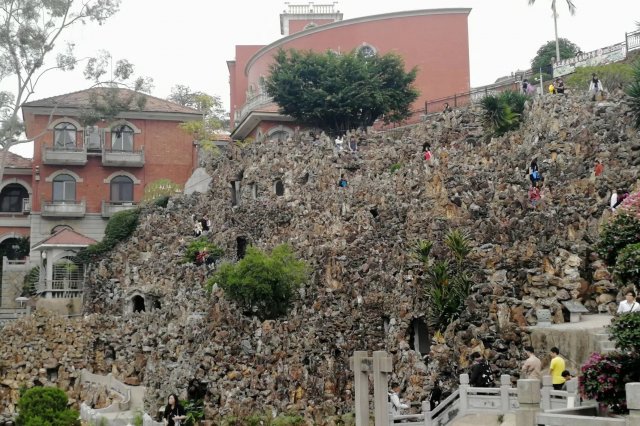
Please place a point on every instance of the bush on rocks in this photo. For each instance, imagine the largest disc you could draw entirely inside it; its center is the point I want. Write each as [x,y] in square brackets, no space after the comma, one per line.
[199,246]
[622,230]
[45,406]
[120,226]
[262,284]
[633,91]
[625,331]
[503,112]
[627,267]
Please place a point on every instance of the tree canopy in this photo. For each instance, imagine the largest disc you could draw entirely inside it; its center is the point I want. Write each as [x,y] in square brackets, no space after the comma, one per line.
[546,53]
[338,92]
[45,406]
[214,117]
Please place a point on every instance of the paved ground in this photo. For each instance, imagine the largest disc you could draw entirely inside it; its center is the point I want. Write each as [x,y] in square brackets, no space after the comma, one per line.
[588,322]
[486,420]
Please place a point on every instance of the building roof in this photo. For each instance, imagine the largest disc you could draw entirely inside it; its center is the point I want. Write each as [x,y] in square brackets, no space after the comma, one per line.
[65,237]
[14,161]
[82,99]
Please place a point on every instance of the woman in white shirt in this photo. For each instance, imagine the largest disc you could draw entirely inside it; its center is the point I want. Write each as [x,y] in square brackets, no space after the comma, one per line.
[395,398]
[629,304]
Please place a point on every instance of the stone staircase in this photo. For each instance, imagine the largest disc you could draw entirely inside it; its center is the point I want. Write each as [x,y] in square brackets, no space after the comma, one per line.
[603,342]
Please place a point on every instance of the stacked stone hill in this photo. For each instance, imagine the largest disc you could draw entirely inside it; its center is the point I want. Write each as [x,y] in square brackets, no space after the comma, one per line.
[365,290]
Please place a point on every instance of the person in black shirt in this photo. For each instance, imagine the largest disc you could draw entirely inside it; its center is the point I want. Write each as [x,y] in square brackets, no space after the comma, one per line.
[173,412]
[481,375]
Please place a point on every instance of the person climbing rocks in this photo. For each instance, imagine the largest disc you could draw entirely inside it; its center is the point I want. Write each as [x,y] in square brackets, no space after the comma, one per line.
[394,398]
[481,374]
[621,199]
[595,86]
[447,108]
[599,168]
[525,86]
[552,89]
[428,155]
[342,183]
[534,196]
[534,173]
[559,86]
[339,141]
[613,202]
[556,368]
[353,144]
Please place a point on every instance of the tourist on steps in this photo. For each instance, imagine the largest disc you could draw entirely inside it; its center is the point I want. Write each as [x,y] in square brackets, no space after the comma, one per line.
[173,412]
[556,368]
[481,374]
[394,397]
[532,367]
[629,304]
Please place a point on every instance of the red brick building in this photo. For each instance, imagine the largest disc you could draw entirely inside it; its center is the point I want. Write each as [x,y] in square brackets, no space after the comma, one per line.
[436,41]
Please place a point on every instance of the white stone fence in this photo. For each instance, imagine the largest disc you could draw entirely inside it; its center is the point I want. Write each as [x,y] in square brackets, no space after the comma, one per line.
[500,400]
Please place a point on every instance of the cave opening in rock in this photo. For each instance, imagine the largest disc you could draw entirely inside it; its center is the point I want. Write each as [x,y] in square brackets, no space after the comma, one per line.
[138,303]
[419,336]
[241,247]
[279,188]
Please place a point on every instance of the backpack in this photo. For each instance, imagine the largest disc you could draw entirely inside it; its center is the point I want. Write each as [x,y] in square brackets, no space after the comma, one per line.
[535,175]
[486,379]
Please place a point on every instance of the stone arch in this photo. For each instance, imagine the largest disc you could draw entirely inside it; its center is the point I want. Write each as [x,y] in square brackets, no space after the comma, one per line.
[53,175]
[59,227]
[135,180]
[24,183]
[57,121]
[10,235]
[278,187]
[123,122]
[280,131]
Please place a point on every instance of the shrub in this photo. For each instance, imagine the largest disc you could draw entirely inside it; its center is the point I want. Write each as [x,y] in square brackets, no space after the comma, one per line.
[503,112]
[162,201]
[604,376]
[612,76]
[395,167]
[627,267]
[288,420]
[45,406]
[447,282]
[120,227]
[625,331]
[633,91]
[262,284]
[621,231]
[160,188]
[200,245]
[194,410]
[30,281]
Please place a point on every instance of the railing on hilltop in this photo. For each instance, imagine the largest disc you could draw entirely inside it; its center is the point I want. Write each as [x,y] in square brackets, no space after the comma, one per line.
[306,9]
[632,40]
[471,400]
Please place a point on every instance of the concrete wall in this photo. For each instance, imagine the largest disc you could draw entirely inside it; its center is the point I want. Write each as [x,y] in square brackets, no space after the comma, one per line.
[12,282]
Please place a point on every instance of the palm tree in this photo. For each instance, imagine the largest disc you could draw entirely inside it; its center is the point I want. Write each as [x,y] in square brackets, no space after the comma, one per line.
[572,11]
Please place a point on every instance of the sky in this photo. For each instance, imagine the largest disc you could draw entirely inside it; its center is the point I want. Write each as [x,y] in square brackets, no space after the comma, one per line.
[188,42]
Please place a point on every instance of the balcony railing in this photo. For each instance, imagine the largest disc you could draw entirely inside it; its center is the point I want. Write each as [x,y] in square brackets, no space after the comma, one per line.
[59,289]
[109,208]
[251,104]
[75,156]
[305,9]
[64,208]
[116,158]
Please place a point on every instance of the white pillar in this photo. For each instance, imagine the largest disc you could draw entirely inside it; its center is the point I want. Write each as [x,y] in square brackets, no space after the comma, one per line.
[545,393]
[361,383]
[505,386]
[633,403]
[464,386]
[529,401]
[381,368]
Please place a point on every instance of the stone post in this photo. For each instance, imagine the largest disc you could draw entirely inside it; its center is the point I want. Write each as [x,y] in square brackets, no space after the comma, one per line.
[381,369]
[464,386]
[545,392]
[360,368]
[505,386]
[572,393]
[426,412]
[529,401]
[633,403]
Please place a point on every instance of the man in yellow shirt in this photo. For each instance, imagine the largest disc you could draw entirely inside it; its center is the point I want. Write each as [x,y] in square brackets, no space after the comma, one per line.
[556,368]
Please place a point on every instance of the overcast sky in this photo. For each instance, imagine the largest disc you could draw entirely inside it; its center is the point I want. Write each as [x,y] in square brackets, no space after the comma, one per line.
[189,41]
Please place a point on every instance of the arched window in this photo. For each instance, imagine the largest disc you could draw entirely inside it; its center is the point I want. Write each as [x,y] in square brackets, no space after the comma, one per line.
[366,51]
[121,188]
[64,136]
[59,228]
[122,138]
[64,188]
[279,187]
[11,198]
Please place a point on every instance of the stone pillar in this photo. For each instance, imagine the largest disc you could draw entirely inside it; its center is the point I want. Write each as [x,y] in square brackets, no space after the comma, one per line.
[361,384]
[426,412]
[381,369]
[464,399]
[572,393]
[505,386]
[633,403]
[545,392]
[529,401]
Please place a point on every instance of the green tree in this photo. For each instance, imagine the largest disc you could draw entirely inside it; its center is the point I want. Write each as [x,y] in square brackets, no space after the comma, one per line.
[214,117]
[447,282]
[572,11]
[262,284]
[45,406]
[338,92]
[29,33]
[633,91]
[546,53]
